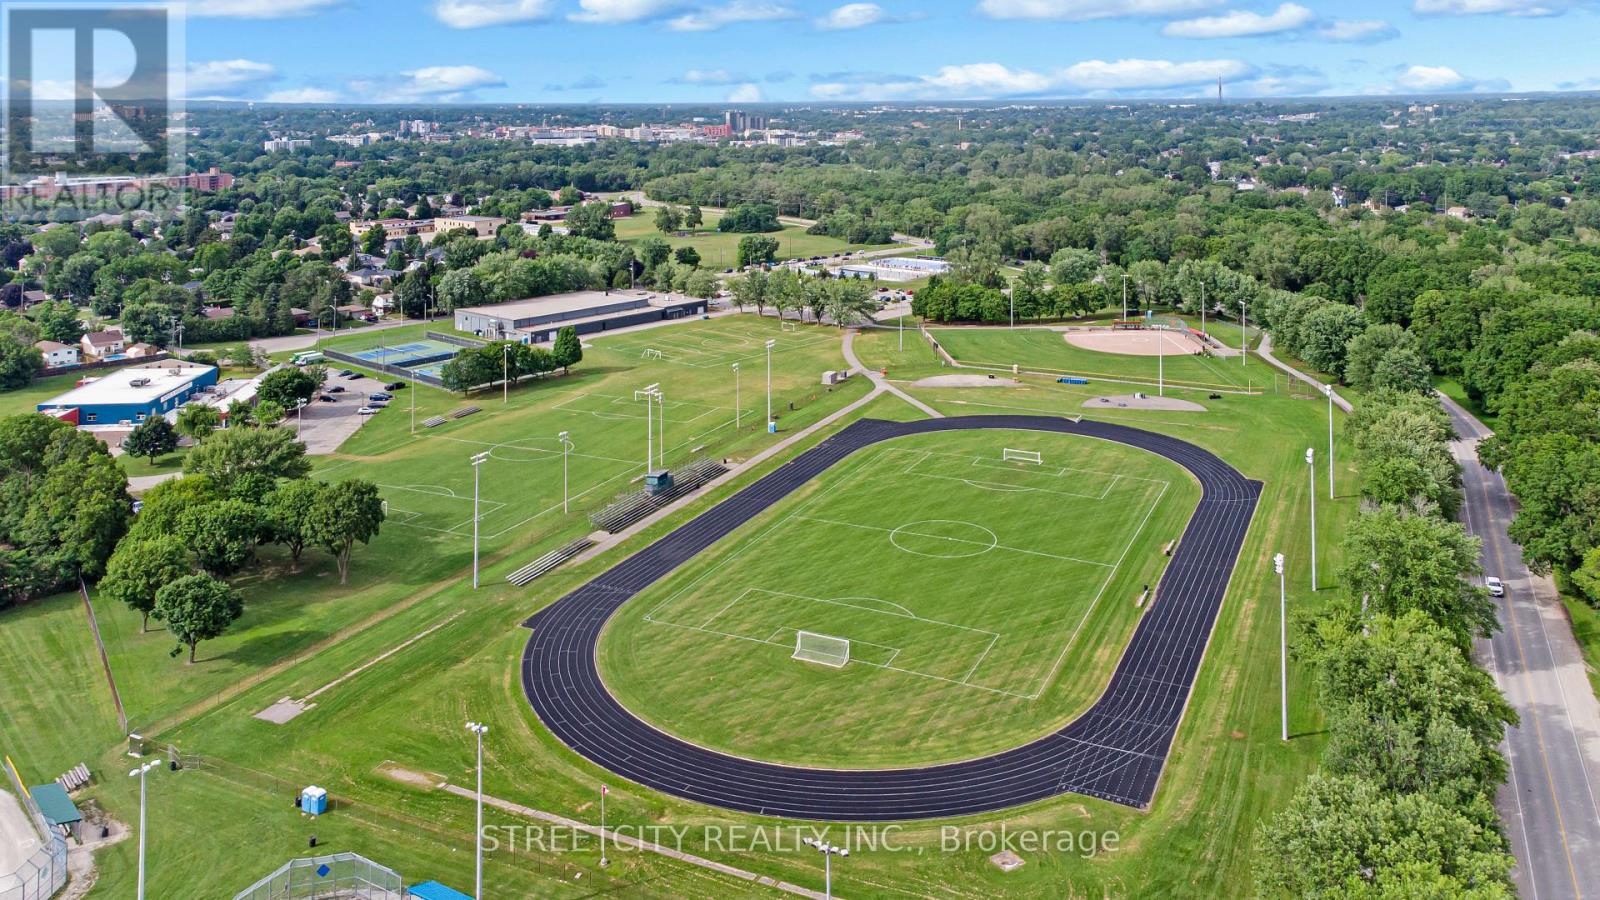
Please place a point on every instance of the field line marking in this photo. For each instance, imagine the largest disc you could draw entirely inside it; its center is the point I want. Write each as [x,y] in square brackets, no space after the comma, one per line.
[965,679]
[381,657]
[956,540]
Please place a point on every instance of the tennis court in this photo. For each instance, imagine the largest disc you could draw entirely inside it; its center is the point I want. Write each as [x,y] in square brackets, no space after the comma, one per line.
[410,353]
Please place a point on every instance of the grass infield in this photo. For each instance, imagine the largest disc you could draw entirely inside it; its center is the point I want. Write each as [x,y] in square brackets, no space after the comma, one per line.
[962,581]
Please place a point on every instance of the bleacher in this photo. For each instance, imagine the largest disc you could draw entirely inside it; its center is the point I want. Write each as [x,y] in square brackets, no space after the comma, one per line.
[433,422]
[635,507]
[75,778]
[523,576]
[464,411]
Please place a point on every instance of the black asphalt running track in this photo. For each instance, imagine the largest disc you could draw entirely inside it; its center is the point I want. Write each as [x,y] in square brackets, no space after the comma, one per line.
[1114,751]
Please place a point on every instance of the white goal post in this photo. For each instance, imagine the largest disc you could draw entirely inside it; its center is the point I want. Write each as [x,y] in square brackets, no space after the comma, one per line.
[824,649]
[650,353]
[1027,456]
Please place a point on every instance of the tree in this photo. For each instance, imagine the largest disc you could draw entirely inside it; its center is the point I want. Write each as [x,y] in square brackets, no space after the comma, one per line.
[569,196]
[140,567]
[1397,561]
[290,385]
[750,218]
[1367,349]
[166,503]
[701,283]
[652,251]
[223,534]
[1556,478]
[1070,265]
[566,350]
[593,221]
[197,608]
[459,288]
[667,219]
[755,250]
[343,514]
[687,256]
[335,241]
[373,240]
[694,217]
[20,360]
[1403,369]
[273,452]
[198,421]
[151,438]
[289,513]
[58,321]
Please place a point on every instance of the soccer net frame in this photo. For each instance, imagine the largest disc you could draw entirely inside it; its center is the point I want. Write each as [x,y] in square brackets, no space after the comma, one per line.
[788,325]
[650,353]
[1028,456]
[823,649]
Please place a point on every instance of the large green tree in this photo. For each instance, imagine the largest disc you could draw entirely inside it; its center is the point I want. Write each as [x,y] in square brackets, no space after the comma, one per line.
[197,608]
[1397,561]
[140,567]
[151,438]
[342,515]
[228,454]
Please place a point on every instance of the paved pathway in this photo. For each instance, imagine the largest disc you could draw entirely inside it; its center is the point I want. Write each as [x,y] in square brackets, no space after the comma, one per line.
[1549,802]
[879,381]
[1264,350]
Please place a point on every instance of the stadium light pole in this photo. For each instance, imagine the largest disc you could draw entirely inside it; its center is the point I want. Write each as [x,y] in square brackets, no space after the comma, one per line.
[1244,340]
[479,729]
[299,414]
[139,773]
[661,430]
[1283,644]
[603,792]
[828,851]
[505,374]
[477,462]
[770,345]
[566,447]
[1311,467]
[1124,296]
[1161,368]
[1328,389]
[647,394]
[735,396]
[1203,309]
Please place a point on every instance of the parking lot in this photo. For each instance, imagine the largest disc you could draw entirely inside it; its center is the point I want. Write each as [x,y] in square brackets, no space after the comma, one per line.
[326,425]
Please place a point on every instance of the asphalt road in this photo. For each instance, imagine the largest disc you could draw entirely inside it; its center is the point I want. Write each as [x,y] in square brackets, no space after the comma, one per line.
[1549,801]
[1114,751]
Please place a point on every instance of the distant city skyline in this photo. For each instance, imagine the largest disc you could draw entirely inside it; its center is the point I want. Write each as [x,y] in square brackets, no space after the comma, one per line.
[751,51]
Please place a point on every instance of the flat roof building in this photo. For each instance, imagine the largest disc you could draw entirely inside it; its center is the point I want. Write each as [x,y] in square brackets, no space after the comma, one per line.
[133,394]
[537,319]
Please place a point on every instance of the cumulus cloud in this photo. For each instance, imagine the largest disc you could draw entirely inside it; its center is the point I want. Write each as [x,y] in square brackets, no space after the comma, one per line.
[980,81]
[710,76]
[613,12]
[1357,30]
[445,84]
[586,83]
[1241,23]
[226,76]
[714,17]
[1492,7]
[303,95]
[745,93]
[257,9]
[1417,78]
[852,15]
[1084,10]
[484,13]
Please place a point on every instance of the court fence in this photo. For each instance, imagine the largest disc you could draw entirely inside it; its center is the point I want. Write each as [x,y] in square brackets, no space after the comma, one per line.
[44,872]
[338,875]
[386,368]
[455,339]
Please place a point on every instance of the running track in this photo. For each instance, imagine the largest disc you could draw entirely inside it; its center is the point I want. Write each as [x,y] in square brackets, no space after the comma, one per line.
[1114,751]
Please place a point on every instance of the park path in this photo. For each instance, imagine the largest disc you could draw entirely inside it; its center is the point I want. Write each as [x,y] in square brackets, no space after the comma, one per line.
[1264,350]
[881,383]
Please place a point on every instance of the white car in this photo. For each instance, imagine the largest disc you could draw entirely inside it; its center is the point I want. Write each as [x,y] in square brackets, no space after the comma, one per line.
[367,410]
[1496,588]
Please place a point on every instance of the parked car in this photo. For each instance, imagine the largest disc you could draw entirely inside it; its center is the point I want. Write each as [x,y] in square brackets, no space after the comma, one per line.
[394,385]
[367,410]
[380,397]
[354,375]
[336,389]
[345,373]
[1495,586]
[327,398]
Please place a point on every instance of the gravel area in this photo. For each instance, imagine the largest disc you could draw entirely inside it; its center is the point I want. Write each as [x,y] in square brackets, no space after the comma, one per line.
[1130,401]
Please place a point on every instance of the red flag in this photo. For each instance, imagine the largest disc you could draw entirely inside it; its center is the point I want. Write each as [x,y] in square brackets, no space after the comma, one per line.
[604,789]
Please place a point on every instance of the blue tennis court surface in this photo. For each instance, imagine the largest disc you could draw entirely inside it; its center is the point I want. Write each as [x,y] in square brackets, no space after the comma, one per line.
[411,352]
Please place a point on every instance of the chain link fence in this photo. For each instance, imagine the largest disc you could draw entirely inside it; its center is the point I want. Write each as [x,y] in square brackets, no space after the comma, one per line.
[341,875]
[44,871]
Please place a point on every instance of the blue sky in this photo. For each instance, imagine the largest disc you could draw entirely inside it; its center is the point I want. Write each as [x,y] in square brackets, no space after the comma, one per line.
[426,51]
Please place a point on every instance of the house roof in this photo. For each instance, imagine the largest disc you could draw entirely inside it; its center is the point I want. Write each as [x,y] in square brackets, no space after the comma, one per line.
[102,338]
[52,346]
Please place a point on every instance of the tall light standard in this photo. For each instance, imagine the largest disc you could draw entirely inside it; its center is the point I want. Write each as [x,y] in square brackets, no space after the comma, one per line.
[505,373]
[479,730]
[828,852]
[299,413]
[770,345]
[1202,309]
[139,773]
[1328,389]
[413,401]
[736,397]
[1124,296]
[1311,467]
[648,394]
[1161,367]
[1283,644]
[477,461]
[1244,340]
[566,447]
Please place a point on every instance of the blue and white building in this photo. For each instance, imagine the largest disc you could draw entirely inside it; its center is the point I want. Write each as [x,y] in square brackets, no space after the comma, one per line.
[129,396]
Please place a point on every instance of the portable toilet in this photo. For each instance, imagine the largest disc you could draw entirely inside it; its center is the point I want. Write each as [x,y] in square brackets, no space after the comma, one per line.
[314,800]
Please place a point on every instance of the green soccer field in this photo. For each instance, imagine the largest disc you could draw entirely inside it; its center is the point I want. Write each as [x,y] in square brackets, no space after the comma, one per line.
[719,249]
[963,581]
[1046,350]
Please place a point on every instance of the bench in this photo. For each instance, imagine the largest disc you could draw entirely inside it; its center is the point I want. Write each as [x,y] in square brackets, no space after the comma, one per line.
[525,575]
[434,422]
[464,411]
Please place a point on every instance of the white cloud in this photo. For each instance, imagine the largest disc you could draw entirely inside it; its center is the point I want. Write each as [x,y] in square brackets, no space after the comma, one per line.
[1083,10]
[1431,78]
[225,76]
[257,9]
[1357,30]
[979,81]
[430,83]
[710,76]
[852,15]
[303,95]
[484,13]
[1241,23]
[1492,7]
[745,93]
[714,17]
[613,12]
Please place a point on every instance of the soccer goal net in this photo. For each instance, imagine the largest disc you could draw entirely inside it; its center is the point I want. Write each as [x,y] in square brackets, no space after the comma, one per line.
[821,648]
[650,353]
[788,325]
[1027,456]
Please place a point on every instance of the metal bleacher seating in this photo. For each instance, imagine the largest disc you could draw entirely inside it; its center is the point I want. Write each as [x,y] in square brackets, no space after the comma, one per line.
[549,561]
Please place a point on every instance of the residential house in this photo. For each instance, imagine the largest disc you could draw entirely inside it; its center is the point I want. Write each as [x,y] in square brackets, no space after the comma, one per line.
[57,355]
[101,344]
[142,351]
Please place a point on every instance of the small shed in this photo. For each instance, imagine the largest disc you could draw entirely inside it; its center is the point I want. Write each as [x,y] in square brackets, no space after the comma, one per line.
[57,808]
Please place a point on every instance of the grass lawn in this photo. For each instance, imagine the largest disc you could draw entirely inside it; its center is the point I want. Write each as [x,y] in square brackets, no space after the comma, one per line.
[1586,628]
[927,554]
[1046,350]
[136,466]
[216,830]
[718,250]
[25,399]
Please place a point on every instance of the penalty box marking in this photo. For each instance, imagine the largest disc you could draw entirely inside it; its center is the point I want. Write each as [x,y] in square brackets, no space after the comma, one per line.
[626,409]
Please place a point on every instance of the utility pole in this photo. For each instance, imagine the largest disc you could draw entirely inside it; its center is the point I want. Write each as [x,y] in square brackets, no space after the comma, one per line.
[1244,339]
[1124,296]
[479,730]
[1311,467]
[770,345]
[1329,390]
[1283,644]
[736,397]
[566,447]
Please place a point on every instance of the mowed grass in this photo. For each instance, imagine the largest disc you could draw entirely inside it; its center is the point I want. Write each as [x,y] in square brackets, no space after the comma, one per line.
[960,583]
[719,250]
[1046,350]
